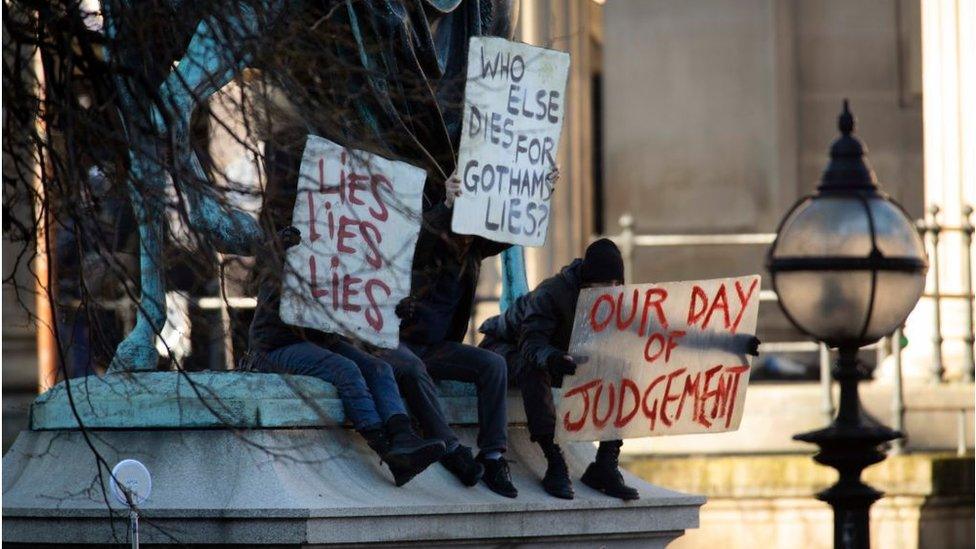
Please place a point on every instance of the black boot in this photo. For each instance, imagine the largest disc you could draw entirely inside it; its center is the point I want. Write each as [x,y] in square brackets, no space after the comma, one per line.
[376,439]
[408,454]
[604,473]
[461,464]
[556,481]
[497,476]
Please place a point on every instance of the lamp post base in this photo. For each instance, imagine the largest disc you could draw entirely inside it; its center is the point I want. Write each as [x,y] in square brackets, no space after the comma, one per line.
[849,444]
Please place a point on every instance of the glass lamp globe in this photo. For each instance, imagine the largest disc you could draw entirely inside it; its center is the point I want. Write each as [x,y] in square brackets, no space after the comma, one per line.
[847,263]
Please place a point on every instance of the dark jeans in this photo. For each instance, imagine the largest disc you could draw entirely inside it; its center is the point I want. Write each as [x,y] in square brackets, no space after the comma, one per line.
[365,383]
[416,365]
[536,386]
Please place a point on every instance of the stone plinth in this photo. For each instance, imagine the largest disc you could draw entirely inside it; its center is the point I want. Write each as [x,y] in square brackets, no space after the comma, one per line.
[198,400]
[311,484]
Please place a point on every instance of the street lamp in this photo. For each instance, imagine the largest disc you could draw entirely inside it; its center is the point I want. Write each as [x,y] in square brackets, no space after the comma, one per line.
[848,266]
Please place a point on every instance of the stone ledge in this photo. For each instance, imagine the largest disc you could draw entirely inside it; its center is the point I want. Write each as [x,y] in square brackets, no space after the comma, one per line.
[311,486]
[194,400]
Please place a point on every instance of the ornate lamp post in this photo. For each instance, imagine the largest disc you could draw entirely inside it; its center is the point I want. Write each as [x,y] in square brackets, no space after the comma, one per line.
[848,266]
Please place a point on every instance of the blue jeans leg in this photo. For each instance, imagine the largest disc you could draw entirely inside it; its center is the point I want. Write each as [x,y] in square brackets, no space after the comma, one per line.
[309,359]
[379,378]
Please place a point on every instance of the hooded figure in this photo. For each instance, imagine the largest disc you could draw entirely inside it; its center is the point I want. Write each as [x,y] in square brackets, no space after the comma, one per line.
[533,335]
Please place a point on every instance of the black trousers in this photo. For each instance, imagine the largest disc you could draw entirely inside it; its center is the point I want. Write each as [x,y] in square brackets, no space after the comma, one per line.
[536,386]
[416,366]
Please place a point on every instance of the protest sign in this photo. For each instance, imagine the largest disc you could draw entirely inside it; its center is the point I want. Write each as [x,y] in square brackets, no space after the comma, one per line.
[659,359]
[514,105]
[359,215]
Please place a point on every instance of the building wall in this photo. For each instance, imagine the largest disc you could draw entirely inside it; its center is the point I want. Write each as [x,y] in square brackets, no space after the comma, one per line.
[718,114]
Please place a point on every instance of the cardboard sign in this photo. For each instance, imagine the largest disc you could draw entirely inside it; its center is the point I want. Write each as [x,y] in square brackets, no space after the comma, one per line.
[659,359]
[514,105]
[359,215]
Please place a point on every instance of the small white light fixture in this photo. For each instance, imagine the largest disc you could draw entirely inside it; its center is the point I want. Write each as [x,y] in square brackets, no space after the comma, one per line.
[131,476]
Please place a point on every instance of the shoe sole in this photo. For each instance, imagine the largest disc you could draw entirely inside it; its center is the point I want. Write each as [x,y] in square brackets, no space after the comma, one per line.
[504,494]
[468,482]
[560,495]
[604,491]
[427,455]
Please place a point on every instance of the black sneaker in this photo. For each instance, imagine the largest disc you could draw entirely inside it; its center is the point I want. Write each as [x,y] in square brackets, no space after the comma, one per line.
[497,477]
[462,464]
[408,454]
[556,481]
[607,479]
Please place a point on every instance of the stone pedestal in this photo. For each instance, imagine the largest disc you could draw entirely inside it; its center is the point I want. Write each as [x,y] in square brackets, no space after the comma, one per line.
[314,483]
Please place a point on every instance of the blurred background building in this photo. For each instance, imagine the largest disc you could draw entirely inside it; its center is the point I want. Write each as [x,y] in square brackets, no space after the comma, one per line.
[691,127]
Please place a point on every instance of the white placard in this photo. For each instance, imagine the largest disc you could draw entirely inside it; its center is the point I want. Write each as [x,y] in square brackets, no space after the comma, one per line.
[359,215]
[514,106]
[659,359]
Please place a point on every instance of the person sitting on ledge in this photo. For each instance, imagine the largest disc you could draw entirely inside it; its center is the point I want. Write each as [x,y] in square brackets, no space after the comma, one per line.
[365,383]
[533,335]
[434,322]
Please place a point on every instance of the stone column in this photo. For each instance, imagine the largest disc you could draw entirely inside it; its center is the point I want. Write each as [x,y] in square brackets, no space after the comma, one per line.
[949,84]
[566,25]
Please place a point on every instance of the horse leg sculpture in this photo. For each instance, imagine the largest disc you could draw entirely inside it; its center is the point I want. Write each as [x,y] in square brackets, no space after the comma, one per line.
[146,183]
[215,55]
[212,59]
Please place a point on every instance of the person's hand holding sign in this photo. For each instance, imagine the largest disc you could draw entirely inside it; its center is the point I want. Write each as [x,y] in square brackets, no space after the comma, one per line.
[561,364]
[752,346]
[453,189]
[289,237]
[551,179]
[406,308]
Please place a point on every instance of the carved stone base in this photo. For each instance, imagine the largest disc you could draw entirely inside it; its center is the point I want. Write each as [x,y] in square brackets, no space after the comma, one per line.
[312,483]
[299,487]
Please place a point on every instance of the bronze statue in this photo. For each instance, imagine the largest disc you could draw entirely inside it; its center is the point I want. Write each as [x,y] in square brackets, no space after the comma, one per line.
[380,75]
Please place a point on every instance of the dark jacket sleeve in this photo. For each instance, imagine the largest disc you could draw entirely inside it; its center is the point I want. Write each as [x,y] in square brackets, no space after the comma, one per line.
[538,329]
[438,218]
[434,223]
[488,248]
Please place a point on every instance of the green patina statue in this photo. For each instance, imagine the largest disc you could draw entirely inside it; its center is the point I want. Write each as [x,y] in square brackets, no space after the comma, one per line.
[381,75]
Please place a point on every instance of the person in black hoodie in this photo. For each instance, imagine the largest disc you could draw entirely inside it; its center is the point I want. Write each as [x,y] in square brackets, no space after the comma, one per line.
[365,383]
[533,335]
